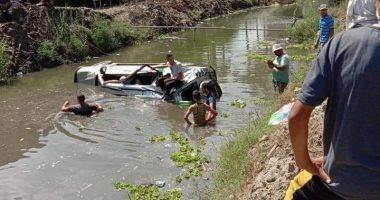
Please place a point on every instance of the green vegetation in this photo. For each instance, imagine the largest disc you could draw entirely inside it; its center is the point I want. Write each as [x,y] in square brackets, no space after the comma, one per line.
[239,103]
[74,39]
[157,138]
[236,164]
[188,157]
[142,192]
[4,61]
[305,30]
[47,52]
[259,57]
[224,115]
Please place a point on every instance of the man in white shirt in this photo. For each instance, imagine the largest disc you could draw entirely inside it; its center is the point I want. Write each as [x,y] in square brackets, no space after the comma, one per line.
[176,75]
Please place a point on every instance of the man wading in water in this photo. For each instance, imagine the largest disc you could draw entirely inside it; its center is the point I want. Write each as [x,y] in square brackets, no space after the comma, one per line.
[346,72]
[280,69]
[82,108]
[199,111]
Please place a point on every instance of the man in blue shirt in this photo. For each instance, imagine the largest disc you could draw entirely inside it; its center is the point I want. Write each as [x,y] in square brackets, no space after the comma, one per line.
[326,25]
[346,73]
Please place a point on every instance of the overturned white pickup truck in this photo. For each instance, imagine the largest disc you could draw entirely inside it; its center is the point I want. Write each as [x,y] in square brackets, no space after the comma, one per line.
[141,79]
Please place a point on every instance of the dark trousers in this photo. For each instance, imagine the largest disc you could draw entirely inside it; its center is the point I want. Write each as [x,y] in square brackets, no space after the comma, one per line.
[279,86]
[315,189]
[166,84]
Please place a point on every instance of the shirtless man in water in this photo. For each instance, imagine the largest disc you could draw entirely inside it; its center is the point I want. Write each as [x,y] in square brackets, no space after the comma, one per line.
[82,108]
[199,111]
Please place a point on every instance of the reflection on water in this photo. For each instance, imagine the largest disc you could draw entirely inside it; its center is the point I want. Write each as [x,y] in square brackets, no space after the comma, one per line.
[50,155]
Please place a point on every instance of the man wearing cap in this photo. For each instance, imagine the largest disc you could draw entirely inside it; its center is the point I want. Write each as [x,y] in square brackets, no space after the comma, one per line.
[280,69]
[326,26]
[168,82]
[346,73]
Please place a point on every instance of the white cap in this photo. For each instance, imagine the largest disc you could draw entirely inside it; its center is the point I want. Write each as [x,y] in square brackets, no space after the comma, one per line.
[276,47]
[323,7]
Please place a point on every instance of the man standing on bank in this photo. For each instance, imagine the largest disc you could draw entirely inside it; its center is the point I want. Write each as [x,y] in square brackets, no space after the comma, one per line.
[326,26]
[346,72]
[280,69]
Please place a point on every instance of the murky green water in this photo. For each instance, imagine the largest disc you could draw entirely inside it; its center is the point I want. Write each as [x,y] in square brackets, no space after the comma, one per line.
[46,155]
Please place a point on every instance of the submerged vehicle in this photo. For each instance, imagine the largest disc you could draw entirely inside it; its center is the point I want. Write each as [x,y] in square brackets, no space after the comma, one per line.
[140,79]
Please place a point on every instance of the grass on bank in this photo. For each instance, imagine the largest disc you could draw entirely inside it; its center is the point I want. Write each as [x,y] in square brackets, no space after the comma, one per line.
[75,39]
[235,165]
[4,61]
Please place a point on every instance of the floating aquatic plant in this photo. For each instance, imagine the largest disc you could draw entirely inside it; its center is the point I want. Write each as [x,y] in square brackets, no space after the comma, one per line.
[259,57]
[142,192]
[157,138]
[188,157]
[239,103]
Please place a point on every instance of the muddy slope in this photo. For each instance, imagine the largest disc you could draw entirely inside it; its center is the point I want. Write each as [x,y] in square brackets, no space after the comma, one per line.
[274,164]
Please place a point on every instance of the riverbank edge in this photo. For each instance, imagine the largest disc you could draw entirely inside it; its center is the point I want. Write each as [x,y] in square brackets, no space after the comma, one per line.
[134,37]
[248,167]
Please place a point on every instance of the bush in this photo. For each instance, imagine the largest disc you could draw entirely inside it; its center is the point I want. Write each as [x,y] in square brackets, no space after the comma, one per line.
[124,32]
[4,61]
[77,47]
[305,30]
[104,38]
[47,53]
[103,35]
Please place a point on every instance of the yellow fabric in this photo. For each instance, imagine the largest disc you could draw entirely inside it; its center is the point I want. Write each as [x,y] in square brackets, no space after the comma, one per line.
[299,181]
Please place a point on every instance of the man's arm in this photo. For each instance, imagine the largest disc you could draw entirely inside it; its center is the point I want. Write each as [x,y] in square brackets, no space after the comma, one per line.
[180,76]
[111,81]
[99,108]
[213,112]
[331,32]
[65,107]
[187,114]
[298,130]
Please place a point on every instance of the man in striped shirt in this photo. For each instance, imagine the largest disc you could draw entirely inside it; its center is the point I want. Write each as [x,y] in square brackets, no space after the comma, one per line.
[326,25]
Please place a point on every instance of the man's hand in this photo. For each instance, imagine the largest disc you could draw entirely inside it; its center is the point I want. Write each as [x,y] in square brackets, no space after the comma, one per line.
[270,64]
[315,167]
[65,106]
[298,130]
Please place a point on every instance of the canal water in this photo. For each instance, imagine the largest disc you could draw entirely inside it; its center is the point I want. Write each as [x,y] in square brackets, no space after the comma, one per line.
[46,154]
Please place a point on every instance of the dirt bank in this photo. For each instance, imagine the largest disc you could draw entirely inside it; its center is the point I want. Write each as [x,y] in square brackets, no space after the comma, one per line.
[274,162]
[26,27]
[177,13]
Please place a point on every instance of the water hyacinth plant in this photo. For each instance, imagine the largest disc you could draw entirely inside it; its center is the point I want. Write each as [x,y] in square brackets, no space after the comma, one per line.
[188,157]
[142,192]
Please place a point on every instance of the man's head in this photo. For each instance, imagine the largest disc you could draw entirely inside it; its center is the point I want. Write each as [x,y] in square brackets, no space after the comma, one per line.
[81,98]
[277,50]
[205,88]
[170,57]
[196,96]
[323,10]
